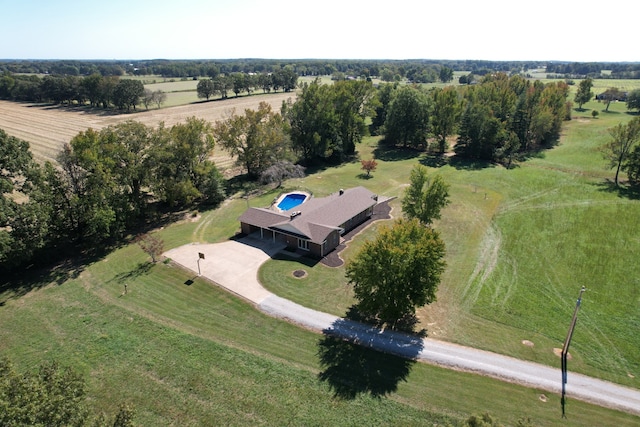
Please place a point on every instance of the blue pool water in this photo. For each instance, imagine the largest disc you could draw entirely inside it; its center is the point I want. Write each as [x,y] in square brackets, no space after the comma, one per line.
[290,201]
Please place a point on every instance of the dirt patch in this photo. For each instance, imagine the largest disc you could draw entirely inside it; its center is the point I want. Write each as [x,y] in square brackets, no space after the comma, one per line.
[558,352]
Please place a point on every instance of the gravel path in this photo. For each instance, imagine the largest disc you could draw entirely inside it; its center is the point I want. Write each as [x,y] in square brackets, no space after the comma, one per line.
[234,264]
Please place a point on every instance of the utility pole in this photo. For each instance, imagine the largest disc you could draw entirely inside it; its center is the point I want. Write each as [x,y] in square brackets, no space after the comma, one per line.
[565,349]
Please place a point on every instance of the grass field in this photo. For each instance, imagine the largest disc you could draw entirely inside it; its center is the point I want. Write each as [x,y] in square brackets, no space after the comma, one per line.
[520,243]
[195,355]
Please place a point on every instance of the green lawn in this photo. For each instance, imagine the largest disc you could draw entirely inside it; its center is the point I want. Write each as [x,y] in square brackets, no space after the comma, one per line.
[191,354]
[520,244]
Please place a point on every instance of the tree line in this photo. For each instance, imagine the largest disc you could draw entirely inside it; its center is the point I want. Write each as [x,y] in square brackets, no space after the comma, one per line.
[108,182]
[105,184]
[615,70]
[221,84]
[494,120]
[94,90]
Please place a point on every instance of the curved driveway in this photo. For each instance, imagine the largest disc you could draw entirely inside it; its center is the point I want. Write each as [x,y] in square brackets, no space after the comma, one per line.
[234,266]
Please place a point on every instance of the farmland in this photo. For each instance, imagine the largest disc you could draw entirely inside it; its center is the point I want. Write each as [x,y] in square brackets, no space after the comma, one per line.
[47,128]
[520,244]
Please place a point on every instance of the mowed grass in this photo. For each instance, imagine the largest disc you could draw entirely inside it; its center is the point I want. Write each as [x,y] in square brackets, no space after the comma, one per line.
[520,243]
[184,352]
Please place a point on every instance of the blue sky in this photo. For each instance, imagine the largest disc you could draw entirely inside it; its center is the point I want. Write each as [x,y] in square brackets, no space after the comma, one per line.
[287,29]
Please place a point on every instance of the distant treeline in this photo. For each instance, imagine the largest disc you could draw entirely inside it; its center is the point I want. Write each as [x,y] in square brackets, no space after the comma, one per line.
[614,70]
[96,90]
[211,68]
[127,93]
[389,70]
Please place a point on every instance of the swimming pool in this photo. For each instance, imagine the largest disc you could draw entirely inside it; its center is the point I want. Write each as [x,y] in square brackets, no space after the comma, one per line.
[291,200]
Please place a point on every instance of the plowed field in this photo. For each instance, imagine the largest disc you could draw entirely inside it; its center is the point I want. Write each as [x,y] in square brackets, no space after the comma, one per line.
[47,128]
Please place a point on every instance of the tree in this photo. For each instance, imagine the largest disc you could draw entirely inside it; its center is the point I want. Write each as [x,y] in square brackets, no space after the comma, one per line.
[369,165]
[257,139]
[407,120]
[385,95]
[147,98]
[24,225]
[633,100]
[623,138]
[205,88]
[222,85]
[445,114]
[313,122]
[446,74]
[54,396]
[127,94]
[180,164]
[353,101]
[609,95]
[281,170]
[159,97]
[425,197]
[632,165]
[150,245]
[397,272]
[479,132]
[584,94]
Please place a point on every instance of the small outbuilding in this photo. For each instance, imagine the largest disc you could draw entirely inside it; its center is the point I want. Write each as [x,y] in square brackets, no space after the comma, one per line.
[315,225]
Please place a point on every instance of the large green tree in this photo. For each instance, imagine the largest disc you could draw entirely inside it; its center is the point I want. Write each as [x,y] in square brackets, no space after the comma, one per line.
[312,122]
[257,139]
[584,94]
[633,100]
[610,95]
[425,197]
[127,94]
[384,94]
[181,164]
[205,88]
[53,396]
[24,218]
[354,101]
[623,139]
[407,121]
[397,272]
[445,114]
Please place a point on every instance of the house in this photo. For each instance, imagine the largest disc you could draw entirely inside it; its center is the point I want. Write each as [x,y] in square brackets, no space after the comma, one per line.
[315,225]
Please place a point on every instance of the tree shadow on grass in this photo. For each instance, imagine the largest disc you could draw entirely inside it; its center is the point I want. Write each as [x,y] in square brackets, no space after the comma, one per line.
[434,160]
[20,283]
[141,269]
[390,153]
[463,163]
[631,192]
[357,358]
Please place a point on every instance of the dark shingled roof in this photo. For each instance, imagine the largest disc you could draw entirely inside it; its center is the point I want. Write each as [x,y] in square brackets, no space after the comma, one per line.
[317,216]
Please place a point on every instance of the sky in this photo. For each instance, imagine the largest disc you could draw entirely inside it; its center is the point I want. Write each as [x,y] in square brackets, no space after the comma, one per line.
[498,30]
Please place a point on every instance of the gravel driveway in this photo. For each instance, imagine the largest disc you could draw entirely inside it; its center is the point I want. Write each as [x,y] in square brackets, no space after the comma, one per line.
[234,265]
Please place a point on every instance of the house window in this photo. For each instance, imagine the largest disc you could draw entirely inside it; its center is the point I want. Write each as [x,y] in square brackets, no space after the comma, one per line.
[303,244]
